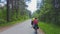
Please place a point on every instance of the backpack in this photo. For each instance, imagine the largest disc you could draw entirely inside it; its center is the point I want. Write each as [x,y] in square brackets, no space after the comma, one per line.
[35,21]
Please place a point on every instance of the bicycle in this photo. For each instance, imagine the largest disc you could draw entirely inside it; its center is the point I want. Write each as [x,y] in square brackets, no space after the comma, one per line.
[35,28]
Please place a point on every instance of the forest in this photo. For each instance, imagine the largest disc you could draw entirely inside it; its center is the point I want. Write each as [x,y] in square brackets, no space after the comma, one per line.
[49,12]
[14,10]
[49,16]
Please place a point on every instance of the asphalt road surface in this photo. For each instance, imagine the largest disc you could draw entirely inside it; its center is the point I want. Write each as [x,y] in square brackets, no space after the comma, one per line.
[21,28]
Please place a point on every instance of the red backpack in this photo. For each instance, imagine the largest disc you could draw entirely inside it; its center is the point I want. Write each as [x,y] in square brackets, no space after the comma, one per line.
[35,21]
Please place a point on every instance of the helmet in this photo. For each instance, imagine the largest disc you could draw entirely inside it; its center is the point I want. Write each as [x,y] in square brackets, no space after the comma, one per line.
[33,18]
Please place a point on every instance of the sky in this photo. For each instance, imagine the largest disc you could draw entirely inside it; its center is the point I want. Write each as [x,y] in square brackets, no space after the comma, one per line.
[2,4]
[32,5]
[3,1]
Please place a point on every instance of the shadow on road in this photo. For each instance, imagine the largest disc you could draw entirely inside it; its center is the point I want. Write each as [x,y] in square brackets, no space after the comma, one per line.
[35,32]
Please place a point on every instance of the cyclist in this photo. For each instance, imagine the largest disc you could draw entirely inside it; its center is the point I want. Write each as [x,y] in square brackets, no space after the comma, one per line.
[35,23]
[32,21]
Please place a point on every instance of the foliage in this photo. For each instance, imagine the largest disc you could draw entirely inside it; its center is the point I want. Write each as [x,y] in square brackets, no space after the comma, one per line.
[49,28]
[48,12]
[17,12]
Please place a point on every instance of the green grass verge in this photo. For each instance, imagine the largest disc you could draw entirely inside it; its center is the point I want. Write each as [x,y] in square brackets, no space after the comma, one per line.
[11,23]
[49,28]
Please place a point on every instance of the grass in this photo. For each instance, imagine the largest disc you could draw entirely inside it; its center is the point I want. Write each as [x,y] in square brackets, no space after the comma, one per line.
[11,23]
[49,28]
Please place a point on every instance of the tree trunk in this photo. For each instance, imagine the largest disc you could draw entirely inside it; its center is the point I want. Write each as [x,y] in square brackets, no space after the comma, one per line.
[7,10]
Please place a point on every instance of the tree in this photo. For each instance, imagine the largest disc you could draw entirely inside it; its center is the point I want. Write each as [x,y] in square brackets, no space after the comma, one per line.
[8,11]
[49,12]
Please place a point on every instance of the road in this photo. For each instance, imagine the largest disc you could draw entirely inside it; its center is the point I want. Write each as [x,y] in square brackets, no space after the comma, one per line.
[22,28]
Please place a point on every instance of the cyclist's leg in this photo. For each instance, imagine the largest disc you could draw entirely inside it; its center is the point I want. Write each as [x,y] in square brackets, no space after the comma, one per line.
[37,26]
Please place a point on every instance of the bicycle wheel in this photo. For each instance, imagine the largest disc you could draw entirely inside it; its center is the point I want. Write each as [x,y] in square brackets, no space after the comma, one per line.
[36,31]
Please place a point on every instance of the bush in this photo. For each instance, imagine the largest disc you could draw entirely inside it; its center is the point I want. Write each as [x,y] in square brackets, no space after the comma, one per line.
[49,28]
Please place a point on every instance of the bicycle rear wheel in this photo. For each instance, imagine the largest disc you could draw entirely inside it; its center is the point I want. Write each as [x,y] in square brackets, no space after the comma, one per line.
[35,29]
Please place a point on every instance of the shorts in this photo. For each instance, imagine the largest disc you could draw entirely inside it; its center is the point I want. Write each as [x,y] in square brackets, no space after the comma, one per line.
[35,25]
